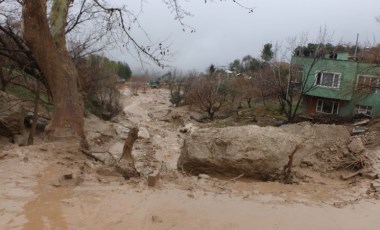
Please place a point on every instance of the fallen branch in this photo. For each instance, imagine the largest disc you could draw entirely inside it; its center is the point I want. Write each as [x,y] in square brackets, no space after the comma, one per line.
[351,175]
[233,179]
[288,167]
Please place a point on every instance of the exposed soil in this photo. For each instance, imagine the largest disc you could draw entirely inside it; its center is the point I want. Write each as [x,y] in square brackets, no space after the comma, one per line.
[54,186]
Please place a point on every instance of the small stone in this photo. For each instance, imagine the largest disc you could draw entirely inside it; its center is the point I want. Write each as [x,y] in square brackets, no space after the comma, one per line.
[68,176]
[56,184]
[356,146]
[299,175]
[68,202]
[306,164]
[190,195]
[371,176]
[3,155]
[143,133]
[156,219]
[376,185]
[203,176]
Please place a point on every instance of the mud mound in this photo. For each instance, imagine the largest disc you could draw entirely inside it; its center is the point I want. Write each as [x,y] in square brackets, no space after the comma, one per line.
[254,151]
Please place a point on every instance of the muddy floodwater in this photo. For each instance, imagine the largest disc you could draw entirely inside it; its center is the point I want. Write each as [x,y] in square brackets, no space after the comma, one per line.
[93,206]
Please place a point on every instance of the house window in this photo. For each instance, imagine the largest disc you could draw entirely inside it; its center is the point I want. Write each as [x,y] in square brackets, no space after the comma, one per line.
[368,84]
[363,109]
[330,80]
[327,106]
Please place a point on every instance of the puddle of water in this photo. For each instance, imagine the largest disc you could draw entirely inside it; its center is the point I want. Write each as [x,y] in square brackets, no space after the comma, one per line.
[121,207]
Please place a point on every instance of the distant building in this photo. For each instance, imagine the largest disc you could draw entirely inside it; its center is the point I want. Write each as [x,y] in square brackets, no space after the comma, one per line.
[337,85]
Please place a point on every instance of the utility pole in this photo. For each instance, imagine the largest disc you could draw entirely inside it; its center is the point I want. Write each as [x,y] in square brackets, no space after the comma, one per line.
[356,47]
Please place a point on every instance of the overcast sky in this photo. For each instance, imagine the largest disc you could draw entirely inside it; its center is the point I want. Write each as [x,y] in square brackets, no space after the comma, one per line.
[225,32]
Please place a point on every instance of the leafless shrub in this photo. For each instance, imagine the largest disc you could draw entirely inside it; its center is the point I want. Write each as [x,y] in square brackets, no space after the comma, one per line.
[354,161]
[99,88]
[138,82]
[207,93]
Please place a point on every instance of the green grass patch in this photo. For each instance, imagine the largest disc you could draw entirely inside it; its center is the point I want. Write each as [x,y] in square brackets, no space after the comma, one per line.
[25,93]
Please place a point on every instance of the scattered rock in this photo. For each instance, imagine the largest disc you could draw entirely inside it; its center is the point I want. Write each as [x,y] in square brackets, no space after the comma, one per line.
[106,115]
[190,195]
[199,118]
[203,176]
[104,156]
[147,172]
[188,128]
[68,176]
[67,180]
[150,115]
[56,184]
[306,163]
[376,185]
[121,131]
[3,155]
[41,121]
[116,149]
[156,219]
[143,133]
[356,146]
[371,175]
[299,175]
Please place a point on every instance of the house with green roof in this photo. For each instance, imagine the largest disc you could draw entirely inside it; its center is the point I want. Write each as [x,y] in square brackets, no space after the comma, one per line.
[337,85]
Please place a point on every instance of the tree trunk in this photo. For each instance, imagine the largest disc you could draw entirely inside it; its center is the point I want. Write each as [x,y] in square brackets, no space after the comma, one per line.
[2,82]
[249,100]
[128,145]
[49,49]
[126,164]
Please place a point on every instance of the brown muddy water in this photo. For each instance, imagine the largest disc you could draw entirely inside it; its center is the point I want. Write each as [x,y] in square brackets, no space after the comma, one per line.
[28,205]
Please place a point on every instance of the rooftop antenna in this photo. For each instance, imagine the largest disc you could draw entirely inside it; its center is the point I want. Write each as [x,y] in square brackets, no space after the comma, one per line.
[356,47]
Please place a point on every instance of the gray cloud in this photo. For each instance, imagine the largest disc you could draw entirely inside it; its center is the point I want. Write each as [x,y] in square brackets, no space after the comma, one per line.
[225,31]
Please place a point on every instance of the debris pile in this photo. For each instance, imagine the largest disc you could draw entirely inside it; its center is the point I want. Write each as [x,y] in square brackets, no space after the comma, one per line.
[259,152]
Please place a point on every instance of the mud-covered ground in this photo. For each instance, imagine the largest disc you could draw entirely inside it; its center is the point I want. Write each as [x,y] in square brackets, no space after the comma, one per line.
[53,186]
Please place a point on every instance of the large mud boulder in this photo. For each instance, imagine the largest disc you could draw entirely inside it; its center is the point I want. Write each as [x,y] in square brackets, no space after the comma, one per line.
[10,114]
[259,152]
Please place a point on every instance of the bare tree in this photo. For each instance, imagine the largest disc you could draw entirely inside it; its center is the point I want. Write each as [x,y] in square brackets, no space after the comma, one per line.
[176,84]
[207,95]
[291,81]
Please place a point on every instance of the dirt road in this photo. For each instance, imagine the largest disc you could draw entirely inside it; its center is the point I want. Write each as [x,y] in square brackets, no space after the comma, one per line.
[35,195]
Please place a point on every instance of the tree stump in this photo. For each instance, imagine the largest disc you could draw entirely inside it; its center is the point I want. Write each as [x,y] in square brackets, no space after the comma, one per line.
[126,164]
